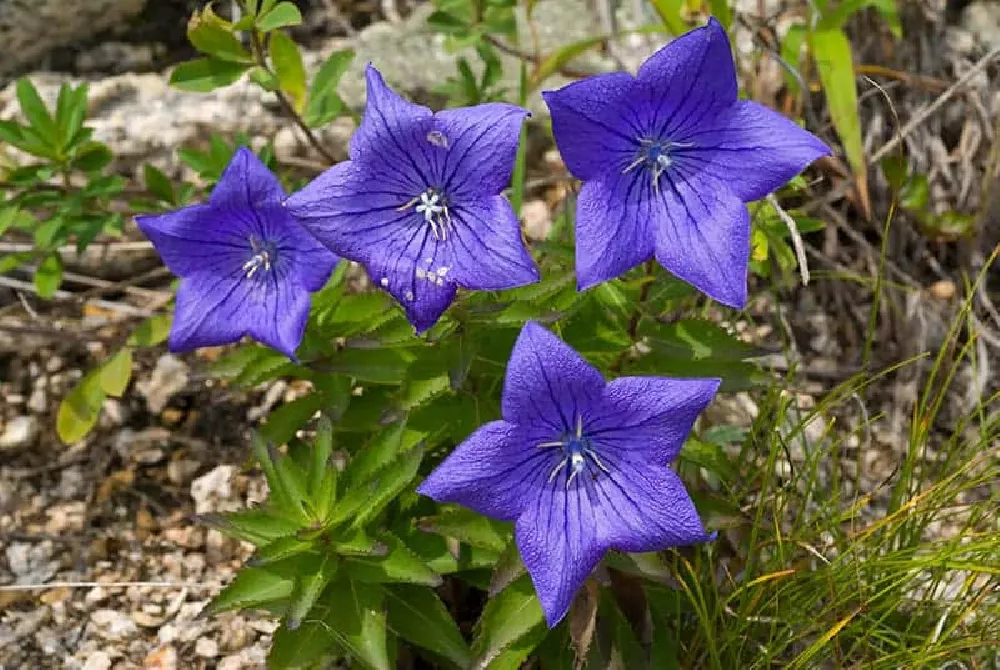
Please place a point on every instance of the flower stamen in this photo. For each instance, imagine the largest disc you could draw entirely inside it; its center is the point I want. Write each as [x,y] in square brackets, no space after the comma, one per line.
[263,255]
[432,205]
[655,155]
[577,450]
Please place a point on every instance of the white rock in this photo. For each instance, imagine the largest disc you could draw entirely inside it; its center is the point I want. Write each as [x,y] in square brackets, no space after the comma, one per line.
[98,660]
[113,624]
[213,491]
[19,432]
[206,647]
[169,376]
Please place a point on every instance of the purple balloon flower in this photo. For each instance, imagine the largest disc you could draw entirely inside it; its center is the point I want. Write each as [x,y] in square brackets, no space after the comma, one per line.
[579,465]
[246,266]
[669,157]
[419,204]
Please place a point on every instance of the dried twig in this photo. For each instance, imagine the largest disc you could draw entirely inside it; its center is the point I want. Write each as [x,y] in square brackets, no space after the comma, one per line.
[793,230]
[923,113]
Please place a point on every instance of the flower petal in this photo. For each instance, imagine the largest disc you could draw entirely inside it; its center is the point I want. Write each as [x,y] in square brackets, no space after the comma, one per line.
[407,263]
[392,138]
[646,508]
[547,382]
[753,149]
[703,235]
[613,226]
[309,263]
[246,183]
[557,538]
[480,147]
[595,124]
[348,209]
[280,309]
[647,419]
[191,238]
[212,309]
[490,471]
[486,246]
[691,78]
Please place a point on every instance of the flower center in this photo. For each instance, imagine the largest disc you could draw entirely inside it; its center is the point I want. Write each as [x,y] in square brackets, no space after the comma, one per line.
[655,156]
[577,454]
[431,203]
[264,254]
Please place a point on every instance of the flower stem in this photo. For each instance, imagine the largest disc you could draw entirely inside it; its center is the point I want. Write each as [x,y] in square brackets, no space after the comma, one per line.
[261,57]
[633,323]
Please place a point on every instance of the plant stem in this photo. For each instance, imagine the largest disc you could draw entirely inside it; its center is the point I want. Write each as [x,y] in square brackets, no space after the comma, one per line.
[633,323]
[261,58]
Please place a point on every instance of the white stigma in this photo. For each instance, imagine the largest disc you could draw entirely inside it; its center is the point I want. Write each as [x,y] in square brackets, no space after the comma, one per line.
[431,204]
[655,155]
[577,450]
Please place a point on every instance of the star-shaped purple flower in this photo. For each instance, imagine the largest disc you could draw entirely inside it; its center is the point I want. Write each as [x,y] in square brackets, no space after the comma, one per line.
[668,159]
[579,465]
[246,266]
[419,204]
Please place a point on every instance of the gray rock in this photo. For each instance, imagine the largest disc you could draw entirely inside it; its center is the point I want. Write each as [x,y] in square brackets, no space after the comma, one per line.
[169,377]
[30,29]
[144,120]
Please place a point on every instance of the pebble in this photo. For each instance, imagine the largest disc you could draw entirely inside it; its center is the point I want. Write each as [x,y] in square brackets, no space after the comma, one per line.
[206,647]
[19,432]
[537,219]
[99,660]
[112,624]
[213,491]
[169,377]
[164,658]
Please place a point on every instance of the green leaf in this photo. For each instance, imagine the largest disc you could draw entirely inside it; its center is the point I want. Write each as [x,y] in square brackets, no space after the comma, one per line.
[283,15]
[116,372]
[834,61]
[158,184]
[151,332]
[669,12]
[79,410]
[508,617]
[358,619]
[469,527]
[48,276]
[92,157]
[324,104]
[698,339]
[379,366]
[8,215]
[447,23]
[551,63]
[384,448]
[712,457]
[36,113]
[252,587]
[280,549]
[398,565]
[284,422]
[625,645]
[417,615]
[71,110]
[214,37]
[258,526]
[365,501]
[206,74]
[307,591]
[287,61]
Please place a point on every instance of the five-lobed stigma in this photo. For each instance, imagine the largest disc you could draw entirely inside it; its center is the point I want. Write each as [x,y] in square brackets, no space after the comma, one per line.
[655,155]
[577,450]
